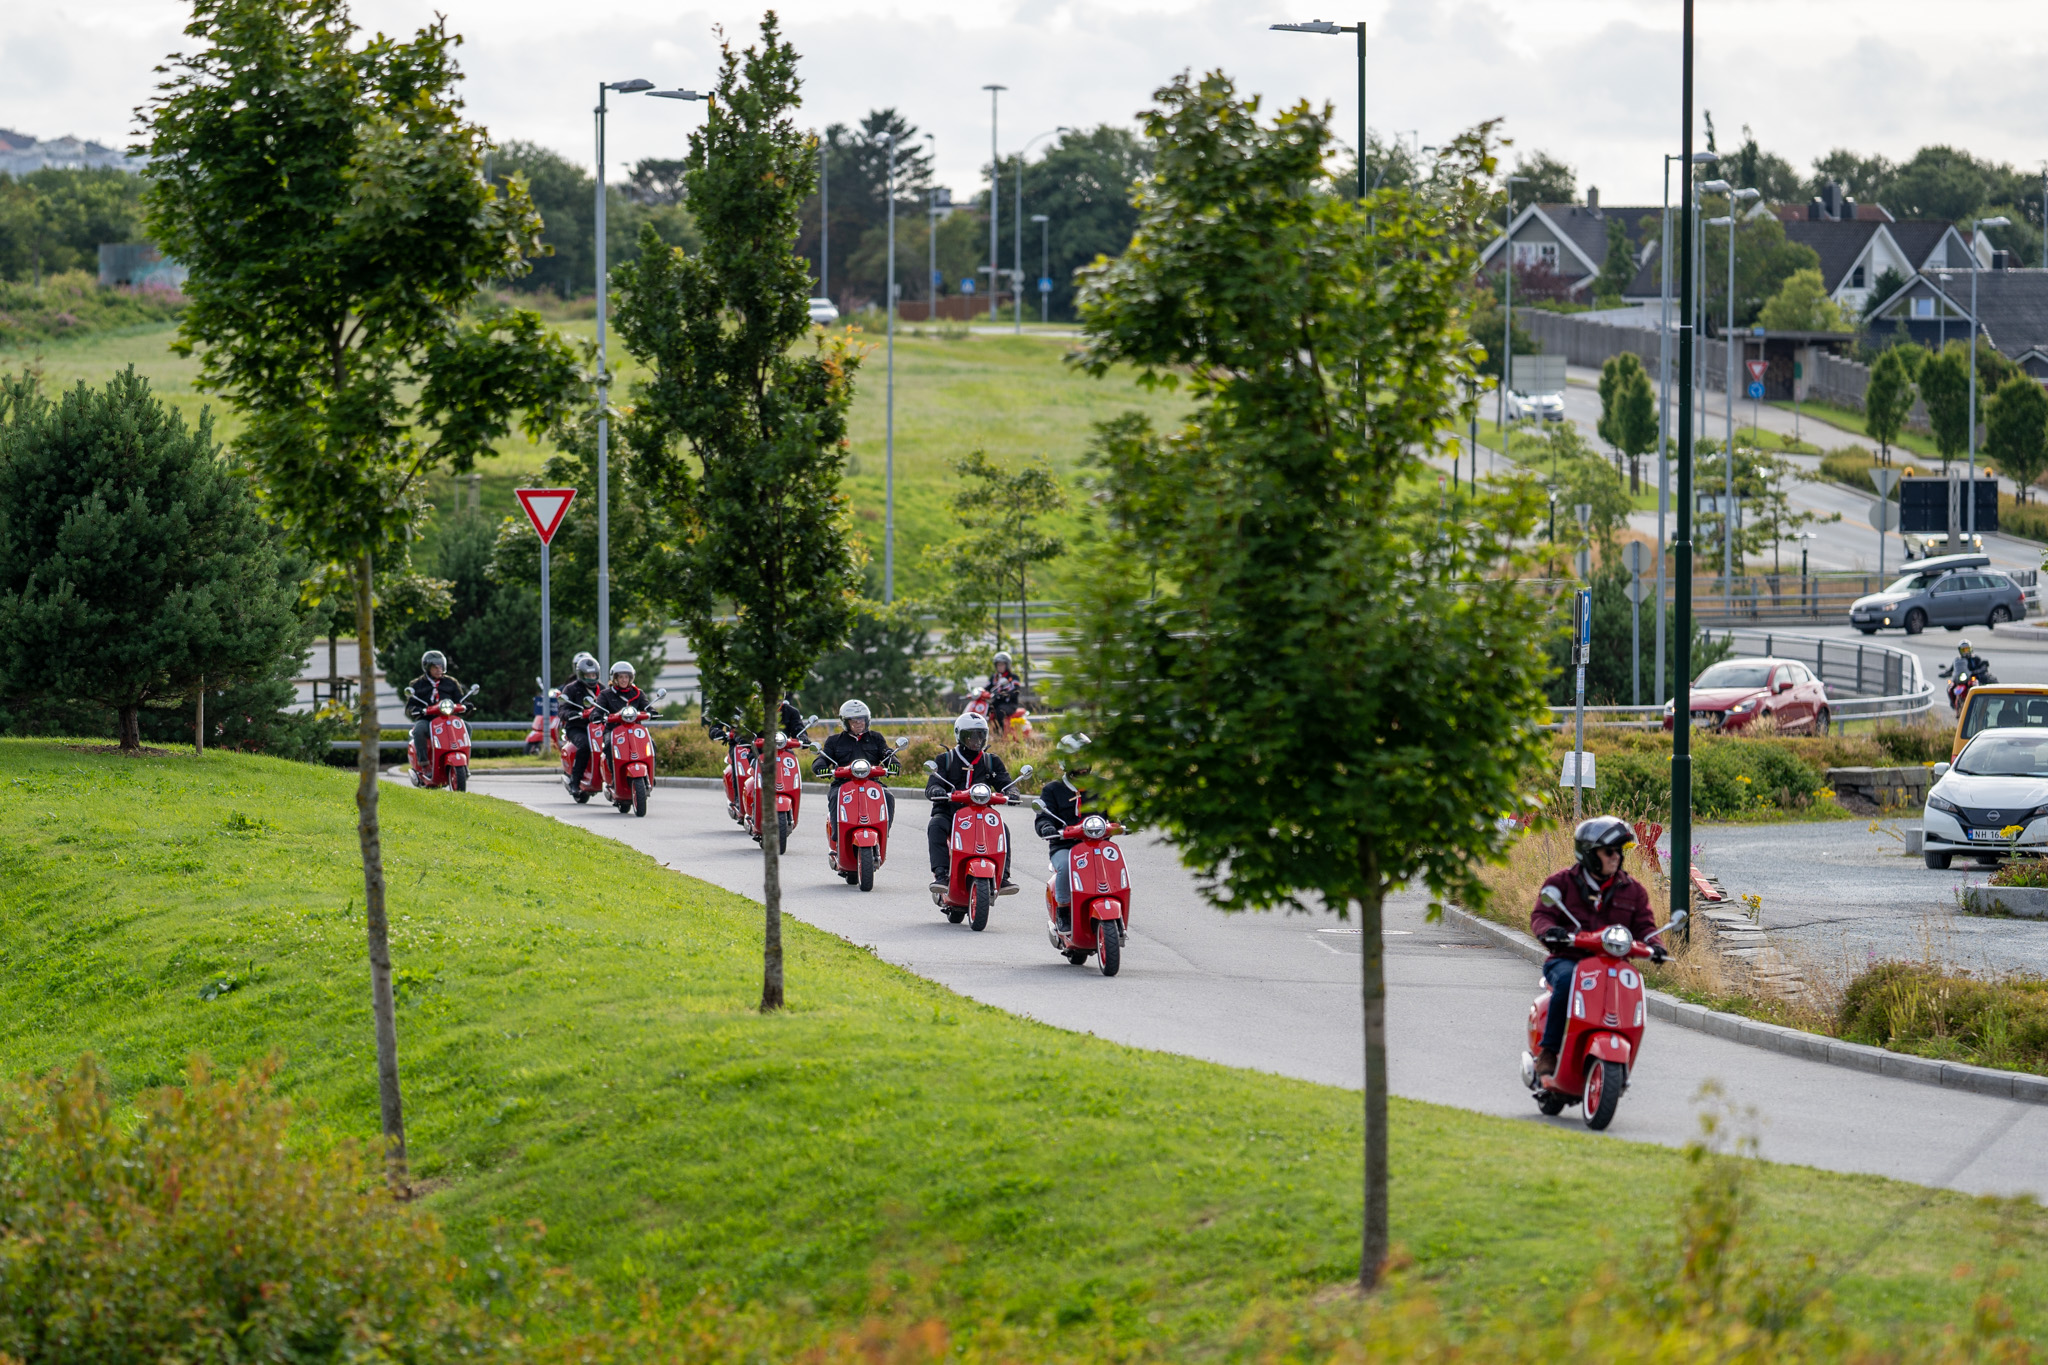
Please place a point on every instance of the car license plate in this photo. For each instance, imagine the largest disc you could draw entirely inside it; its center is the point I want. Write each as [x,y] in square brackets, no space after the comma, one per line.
[1702,722]
[1987,836]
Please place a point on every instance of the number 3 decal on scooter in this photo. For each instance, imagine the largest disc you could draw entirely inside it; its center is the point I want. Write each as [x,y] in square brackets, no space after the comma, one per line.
[992,818]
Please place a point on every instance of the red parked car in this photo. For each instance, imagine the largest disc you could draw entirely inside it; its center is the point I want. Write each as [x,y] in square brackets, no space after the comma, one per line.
[1735,692]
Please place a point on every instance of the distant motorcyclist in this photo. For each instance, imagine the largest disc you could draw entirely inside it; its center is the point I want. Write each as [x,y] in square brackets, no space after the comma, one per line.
[1597,893]
[1005,694]
[1969,664]
[432,687]
[854,741]
[1064,800]
[960,767]
[578,696]
[789,719]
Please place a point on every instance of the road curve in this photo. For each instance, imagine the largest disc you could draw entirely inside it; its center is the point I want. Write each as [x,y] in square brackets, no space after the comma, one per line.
[1280,994]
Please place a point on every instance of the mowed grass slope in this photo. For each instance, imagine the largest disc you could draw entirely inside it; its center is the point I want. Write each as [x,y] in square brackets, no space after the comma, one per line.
[580,1046]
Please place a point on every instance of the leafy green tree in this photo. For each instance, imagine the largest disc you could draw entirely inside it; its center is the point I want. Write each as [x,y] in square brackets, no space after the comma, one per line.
[338,229]
[135,567]
[1764,260]
[1085,183]
[1765,519]
[1550,181]
[1619,265]
[1802,305]
[1887,398]
[1000,509]
[1628,411]
[2016,431]
[54,220]
[1866,179]
[1484,316]
[882,663]
[1771,176]
[1259,588]
[1945,389]
[1889,281]
[565,196]
[737,431]
[857,168]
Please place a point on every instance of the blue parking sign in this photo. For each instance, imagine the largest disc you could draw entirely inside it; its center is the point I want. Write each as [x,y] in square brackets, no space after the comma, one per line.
[967,285]
[1756,388]
[1045,284]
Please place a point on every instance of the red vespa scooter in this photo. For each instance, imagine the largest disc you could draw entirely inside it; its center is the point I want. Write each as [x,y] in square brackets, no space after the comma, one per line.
[447,759]
[547,721]
[1101,887]
[1604,1034]
[857,832]
[594,779]
[979,850]
[627,748]
[739,766]
[789,788]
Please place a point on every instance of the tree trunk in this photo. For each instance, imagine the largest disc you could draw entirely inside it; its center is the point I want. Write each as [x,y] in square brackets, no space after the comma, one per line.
[131,729]
[771,862]
[375,920]
[199,718]
[1373,1250]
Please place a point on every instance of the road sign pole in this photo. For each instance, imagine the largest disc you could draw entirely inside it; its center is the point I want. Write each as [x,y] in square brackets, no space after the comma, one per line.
[545,508]
[547,650]
[1585,634]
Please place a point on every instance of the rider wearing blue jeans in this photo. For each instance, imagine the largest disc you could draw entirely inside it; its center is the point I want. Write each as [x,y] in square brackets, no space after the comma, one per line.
[1063,800]
[1597,893]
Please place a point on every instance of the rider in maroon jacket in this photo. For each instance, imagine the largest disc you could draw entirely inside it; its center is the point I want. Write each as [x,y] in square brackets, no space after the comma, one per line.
[1597,893]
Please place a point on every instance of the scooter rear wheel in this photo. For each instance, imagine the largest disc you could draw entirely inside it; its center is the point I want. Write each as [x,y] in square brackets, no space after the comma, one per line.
[956,913]
[1604,1083]
[580,798]
[981,896]
[1552,1103]
[867,868]
[640,785]
[1109,945]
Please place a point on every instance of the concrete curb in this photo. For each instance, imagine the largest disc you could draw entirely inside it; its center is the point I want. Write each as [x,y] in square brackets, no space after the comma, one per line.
[1812,1047]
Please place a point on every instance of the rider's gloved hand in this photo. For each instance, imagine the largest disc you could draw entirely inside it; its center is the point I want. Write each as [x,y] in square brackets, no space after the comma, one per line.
[1556,938]
[1657,953]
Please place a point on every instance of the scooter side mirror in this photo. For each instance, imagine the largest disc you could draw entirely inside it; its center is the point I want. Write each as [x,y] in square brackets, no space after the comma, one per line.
[1024,772]
[902,741]
[1678,919]
[474,688]
[931,765]
[660,692]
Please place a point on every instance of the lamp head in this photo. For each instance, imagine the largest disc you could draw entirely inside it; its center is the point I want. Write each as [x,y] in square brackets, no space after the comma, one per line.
[1723,221]
[678,94]
[1716,187]
[2000,221]
[1312,26]
[1040,218]
[1705,158]
[1744,196]
[632,87]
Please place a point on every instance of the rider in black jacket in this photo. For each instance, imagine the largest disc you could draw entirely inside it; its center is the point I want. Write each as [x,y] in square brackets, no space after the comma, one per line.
[577,696]
[960,767]
[856,740]
[427,691]
[1064,801]
[1005,694]
[622,693]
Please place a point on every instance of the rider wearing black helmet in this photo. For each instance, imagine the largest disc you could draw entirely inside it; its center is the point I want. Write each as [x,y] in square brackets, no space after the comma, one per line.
[855,740]
[960,767]
[577,697]
[1064,799]
[432,687]
[1597,893]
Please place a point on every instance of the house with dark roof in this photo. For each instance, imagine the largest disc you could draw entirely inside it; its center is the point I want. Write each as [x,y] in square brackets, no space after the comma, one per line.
[1934,308]
[1559,248]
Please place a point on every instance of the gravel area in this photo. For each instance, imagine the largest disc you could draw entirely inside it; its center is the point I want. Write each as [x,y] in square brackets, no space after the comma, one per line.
[1840,895]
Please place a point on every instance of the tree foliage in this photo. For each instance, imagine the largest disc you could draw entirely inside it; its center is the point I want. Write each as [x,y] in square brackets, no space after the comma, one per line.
[738,431]
[1318,691]
[1802,305]
[135,569]
[1618,267]
[330,203]
[1945,389]
[1764,260]
[565,197]
[1887,398]
[54,220]
[989,564]
[2016,431]
[1628,411]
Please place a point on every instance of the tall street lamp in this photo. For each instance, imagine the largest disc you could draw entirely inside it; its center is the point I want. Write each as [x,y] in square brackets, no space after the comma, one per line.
[1017,243]
[1681,710]
[889,403]
[1324,26]
[604,525]
[1507,331]
[1728,221]
[1665,303]
[1044,266]
[1976,225]
[931,235]
[995,188]
[824,217]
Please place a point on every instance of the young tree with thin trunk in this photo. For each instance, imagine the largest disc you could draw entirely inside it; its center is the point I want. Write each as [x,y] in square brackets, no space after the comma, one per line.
[329,201]
[999,509]
[1330,693]
[2016,431]
[1887,398]
[740,431]
[1945,389]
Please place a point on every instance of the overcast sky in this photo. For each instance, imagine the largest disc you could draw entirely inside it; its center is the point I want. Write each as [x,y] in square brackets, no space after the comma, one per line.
[1592,81]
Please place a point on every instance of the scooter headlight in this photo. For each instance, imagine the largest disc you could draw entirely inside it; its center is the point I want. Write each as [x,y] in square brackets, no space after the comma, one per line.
[861,767]
[447,708]
[1617,940]
[978,793]
[1095,827]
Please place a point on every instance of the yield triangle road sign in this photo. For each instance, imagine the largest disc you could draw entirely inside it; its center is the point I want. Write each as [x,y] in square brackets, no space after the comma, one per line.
[545,508]
[1756,370]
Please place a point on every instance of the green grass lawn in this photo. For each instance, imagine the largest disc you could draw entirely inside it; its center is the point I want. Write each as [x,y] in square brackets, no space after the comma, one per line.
[580,1047]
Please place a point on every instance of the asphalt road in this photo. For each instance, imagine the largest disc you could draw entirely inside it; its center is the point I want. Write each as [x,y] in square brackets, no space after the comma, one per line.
[1280,994]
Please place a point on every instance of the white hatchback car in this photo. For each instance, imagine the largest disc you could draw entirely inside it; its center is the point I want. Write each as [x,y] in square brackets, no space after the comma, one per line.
[1543,407]
[824,312]
[1991,802]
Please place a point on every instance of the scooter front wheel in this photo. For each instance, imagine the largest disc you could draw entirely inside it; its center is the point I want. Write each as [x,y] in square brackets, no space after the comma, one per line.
[459,779]
[981,896]
[1109,945]
[640,785]
[1604,1083]
[784,823]
[867,867]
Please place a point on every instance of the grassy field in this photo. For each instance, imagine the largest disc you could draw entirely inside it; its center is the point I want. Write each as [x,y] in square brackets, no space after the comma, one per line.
[580,1047]
[1015,397]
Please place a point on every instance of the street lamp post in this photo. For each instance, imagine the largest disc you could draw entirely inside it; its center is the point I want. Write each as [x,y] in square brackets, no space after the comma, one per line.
[1324,26]
[1728,378]
[931,241]
[1507,338]
[1044,266]
[889,402]
[1681,718]
[604,525]
[1017,243]
[1976,225]
[1664,377]
[995,188]
[824,218]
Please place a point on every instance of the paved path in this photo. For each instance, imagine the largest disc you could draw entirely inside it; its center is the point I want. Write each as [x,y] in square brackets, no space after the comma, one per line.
[1281,994]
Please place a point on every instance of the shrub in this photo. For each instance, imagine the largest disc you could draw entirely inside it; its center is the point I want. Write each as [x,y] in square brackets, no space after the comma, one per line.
[687,750]
[1912,744]
[1933,1011]
[73,304]
[199,1232]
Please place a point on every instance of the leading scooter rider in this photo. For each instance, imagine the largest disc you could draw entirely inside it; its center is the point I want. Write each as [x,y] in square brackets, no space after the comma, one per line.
[577,697]
[960,767]
[1598,893]
[1968,664]
[1064,800]
[432,687]
[854,740]
[621,693]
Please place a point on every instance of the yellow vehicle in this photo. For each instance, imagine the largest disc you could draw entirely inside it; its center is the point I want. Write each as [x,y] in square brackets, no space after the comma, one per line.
[2001,706]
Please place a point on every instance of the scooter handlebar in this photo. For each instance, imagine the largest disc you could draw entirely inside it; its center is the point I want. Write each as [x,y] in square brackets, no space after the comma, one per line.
[1587,941]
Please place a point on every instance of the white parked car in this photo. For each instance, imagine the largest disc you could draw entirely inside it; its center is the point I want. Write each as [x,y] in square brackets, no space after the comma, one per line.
[1545,407]
[1992,801]
[824,312]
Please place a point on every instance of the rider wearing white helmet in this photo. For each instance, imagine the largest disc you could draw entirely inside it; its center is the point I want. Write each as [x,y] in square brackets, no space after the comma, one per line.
[432,687]
[960,767]
[854,740]
[621,693]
